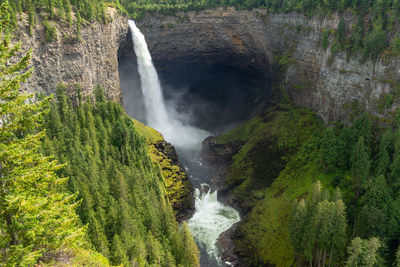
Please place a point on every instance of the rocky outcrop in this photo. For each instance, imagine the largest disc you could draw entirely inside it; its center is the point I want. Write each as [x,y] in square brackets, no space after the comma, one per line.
[216,153]
[178,186]
[89,61]
[256,39]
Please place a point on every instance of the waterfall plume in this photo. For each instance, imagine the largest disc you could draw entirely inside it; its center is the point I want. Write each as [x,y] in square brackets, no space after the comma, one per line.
[157,116]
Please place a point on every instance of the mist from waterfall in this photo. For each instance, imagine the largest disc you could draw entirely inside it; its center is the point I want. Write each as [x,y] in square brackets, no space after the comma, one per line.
[211,217]
[157,116]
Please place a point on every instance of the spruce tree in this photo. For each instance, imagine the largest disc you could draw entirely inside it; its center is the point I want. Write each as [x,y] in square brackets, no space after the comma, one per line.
[36,217]
[360,167]
[364,253]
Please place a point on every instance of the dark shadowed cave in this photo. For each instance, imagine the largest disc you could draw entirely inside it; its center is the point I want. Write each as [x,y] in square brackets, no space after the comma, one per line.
[212,91]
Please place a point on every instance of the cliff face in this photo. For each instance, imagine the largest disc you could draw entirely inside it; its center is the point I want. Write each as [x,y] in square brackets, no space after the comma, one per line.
[257,39]
[252,40]
[89,62]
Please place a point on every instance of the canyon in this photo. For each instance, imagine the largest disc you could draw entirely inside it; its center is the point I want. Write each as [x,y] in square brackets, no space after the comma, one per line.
[283,49]
[253,40]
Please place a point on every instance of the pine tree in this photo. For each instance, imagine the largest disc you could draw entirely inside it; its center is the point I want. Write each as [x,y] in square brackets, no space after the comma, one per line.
[394,176]
[360,167]
[329,149]
[192,253]
[318,227]
[36,218]
[385,148]
[364,253]
[296,228]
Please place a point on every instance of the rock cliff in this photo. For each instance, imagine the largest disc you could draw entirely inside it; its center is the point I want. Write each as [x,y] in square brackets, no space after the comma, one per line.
[256,39]
[90,61]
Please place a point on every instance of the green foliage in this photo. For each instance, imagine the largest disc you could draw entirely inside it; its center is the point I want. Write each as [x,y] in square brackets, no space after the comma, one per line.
[375,44]
[325,39]
[177,184]
[263,235]
[367,38]
[50,30]
[129,218]
[341,32]
[364,253]
[396,45]
[363,160]
[37,218]
[318,227]
[360,166]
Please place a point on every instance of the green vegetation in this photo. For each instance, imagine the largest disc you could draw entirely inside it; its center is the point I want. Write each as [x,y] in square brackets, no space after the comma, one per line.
[51,31]
[130,221]
[114,200]
[278,165]
[267,191]
[59,10]
[176,182]
[318,227]
[38,220]
[364,252]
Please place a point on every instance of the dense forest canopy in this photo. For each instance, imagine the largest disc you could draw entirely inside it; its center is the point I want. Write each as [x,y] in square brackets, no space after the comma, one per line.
[37,217]
[112,207]
[129,218]
[94,9]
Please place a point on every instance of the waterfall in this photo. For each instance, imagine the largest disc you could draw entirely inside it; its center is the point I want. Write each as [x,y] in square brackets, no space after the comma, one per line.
[157,115]
[210,220]
[211,217]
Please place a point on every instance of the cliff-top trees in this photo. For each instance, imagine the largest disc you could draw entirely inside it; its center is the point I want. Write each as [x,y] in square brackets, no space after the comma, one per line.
[36,218]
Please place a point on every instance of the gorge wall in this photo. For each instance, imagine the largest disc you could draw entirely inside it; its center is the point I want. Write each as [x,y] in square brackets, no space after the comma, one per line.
[249,39]
[87,62]
[258,40]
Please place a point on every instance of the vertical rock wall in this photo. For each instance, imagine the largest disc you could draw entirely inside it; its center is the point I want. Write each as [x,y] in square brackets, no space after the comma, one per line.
[331,86]
[90,61]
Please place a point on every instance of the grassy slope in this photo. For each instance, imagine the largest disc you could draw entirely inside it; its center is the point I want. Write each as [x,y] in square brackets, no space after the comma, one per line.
[176,182]
[277,163]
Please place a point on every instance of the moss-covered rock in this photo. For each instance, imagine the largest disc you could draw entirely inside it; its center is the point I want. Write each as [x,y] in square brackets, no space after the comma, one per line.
[178,187]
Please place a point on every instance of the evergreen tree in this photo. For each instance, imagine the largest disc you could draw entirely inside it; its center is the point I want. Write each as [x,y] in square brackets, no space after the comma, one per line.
[191,251]
[394,175]
[364,253]
[341,32]
[329,149]
[360,167]
[36,217]
[296,228]
[385,149]
[318,227]
[123,202]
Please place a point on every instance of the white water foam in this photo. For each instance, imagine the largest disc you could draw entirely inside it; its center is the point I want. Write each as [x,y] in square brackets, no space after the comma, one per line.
[211,219]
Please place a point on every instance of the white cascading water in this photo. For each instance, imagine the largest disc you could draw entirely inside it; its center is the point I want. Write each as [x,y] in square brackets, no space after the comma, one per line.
[210,220]
[211,217]
[182,136]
